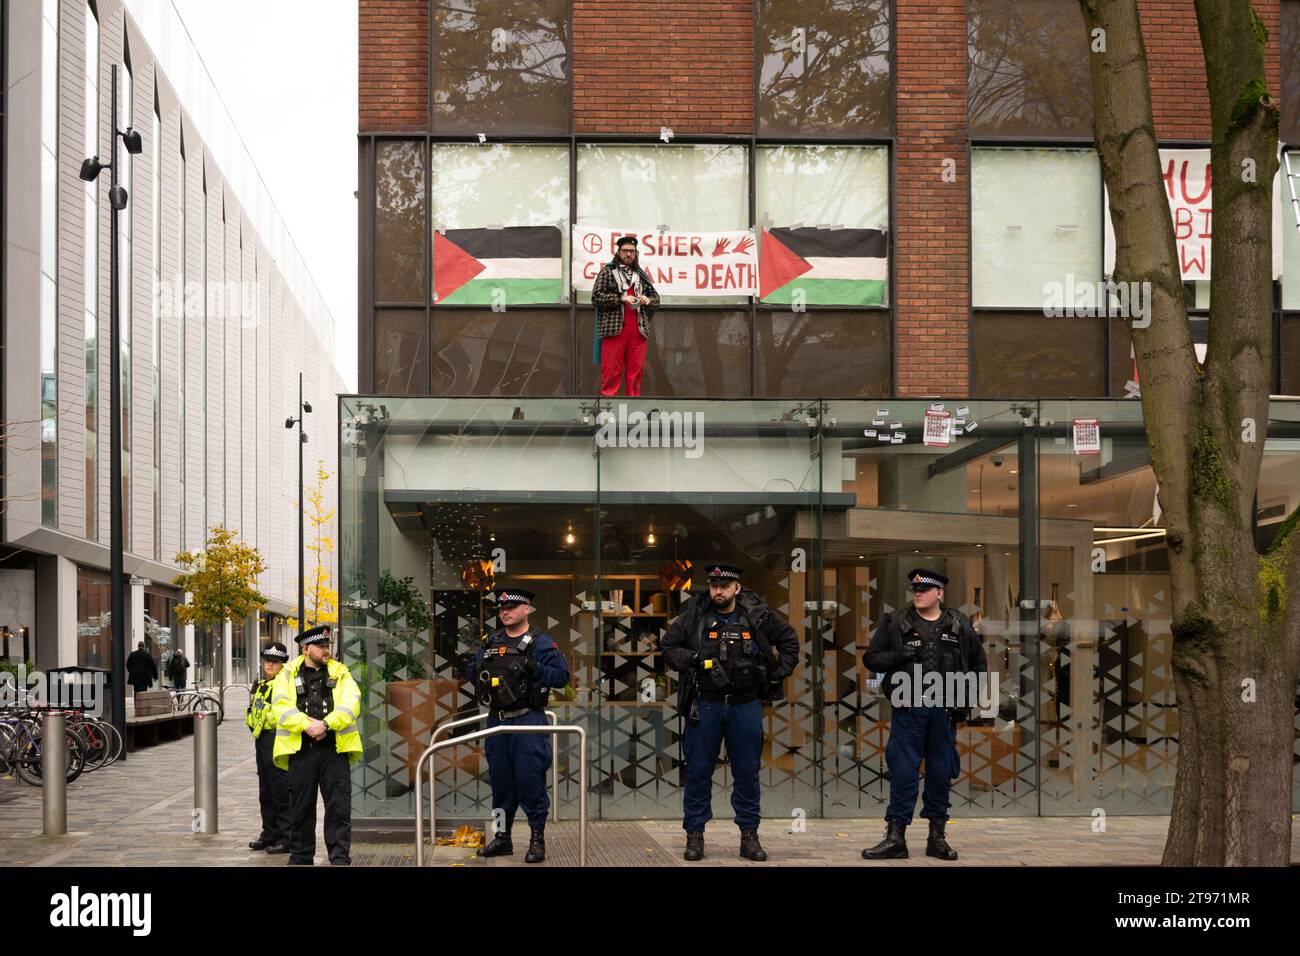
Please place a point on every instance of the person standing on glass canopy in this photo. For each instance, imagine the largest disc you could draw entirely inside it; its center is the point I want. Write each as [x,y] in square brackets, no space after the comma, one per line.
[625,302]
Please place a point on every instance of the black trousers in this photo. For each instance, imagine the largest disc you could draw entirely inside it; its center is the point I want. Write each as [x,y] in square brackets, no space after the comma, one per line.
[272,791]
[320,767]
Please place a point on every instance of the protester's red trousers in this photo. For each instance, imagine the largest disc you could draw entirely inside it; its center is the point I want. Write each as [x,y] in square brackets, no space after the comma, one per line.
[622,353]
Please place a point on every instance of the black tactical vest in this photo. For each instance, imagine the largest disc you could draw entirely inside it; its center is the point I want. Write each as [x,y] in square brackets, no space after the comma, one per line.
[945,644]
[500,681]
[733,661]
[315,692]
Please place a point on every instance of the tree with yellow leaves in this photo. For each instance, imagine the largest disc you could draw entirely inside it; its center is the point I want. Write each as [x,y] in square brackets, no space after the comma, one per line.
[322,599]
[222,584]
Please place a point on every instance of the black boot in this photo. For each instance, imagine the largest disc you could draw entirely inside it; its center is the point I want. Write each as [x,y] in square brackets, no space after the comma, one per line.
[258,844]
[694,846]
[892,847]
[536,845]
[750,848]
[937,845]
[500,846]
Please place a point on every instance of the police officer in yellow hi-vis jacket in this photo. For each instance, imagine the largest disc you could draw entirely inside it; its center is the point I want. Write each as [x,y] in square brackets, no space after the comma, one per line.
[316,704]
[272,782]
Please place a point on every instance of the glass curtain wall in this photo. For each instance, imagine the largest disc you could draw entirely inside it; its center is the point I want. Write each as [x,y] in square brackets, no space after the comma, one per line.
[1055,552]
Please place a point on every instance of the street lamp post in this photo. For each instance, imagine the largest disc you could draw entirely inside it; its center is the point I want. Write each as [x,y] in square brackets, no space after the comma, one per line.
[302,440]
[117,197]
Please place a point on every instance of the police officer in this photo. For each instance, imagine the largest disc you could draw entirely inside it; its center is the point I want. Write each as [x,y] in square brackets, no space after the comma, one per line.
[272,782]
[909,644]
[315,703]
[513,673]
[723,646]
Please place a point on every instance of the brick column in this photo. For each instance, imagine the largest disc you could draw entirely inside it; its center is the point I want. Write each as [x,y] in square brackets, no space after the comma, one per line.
[392,65]
[932,215]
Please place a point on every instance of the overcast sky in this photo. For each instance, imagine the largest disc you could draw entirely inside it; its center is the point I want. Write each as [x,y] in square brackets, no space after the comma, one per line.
[287,71]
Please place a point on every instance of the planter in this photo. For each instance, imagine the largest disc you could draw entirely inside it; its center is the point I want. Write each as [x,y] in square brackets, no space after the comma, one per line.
[413,712]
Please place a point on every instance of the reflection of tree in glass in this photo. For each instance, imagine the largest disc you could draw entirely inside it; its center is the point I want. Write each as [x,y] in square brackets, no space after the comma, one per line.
[500,185]
[842,353]
[399,222]
[520,87]
[824,184]
[839,82]
[698,353]
[683,187]
[1028,68]
[512,353]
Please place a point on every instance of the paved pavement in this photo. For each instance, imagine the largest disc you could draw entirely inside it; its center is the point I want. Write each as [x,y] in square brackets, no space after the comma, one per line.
[138,812]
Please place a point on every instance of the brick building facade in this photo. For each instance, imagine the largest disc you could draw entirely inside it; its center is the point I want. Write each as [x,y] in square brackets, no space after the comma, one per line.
[692,68]
[957,135]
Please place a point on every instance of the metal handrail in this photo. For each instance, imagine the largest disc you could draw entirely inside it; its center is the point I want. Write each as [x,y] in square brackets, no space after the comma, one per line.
[551,717]
[491,732]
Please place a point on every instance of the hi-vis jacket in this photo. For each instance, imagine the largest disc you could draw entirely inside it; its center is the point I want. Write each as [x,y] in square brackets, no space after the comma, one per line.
[290,722]
[258,716]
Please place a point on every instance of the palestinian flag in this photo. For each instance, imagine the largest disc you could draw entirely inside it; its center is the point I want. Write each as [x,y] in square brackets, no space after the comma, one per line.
[524,261]
[831,266]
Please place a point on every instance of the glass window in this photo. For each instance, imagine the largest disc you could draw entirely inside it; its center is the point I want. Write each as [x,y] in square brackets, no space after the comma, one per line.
[1290,33]
[1028,73]
[824,68]
[94,621]
[399,222]
[823,353]
[689,354]
[1036,225]
[156,383]
[639,188]
[90,259]
[823,213]
[401,352]
[480,352]
[1107,718]
[1291,355]
[1028,354]
[159,635]
[500,216]
[501,66]
[1290,239]
[49,318]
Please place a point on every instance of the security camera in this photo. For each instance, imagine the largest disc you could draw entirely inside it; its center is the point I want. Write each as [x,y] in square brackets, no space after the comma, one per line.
[997,462]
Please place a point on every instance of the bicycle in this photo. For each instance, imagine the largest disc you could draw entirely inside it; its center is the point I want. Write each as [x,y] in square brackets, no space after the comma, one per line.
[20,748]
[101,740]
[193,700]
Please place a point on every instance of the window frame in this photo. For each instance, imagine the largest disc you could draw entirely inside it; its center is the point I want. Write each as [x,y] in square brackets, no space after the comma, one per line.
[368,153]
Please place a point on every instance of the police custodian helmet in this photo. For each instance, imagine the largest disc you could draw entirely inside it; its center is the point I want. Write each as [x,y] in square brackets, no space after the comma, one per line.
[510,597]
[317,635]
[921,579]
[723,573]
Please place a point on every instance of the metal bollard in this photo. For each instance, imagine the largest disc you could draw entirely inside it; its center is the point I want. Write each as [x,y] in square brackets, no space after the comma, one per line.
[54,774]
[205,772]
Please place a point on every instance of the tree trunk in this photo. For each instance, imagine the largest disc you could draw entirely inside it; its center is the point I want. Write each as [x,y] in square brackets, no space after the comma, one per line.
[1235,628]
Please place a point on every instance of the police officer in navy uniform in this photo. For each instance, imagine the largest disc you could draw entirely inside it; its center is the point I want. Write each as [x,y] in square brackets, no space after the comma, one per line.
[513,674]
[732,652]
[924,638]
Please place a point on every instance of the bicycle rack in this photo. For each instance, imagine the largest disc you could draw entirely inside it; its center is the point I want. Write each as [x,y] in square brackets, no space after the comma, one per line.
[551,718]
[553,730]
